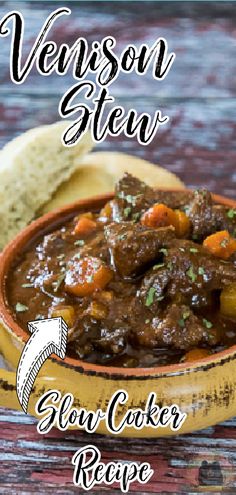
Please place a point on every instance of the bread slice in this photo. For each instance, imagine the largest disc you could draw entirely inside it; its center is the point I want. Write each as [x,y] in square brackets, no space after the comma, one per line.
[98,172]
[32,166]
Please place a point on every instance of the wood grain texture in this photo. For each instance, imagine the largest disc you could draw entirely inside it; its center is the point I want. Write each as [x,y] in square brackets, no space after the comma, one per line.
[198,144]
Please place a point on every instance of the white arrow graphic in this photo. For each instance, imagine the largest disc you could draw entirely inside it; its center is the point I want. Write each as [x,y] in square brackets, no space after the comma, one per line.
[48,336]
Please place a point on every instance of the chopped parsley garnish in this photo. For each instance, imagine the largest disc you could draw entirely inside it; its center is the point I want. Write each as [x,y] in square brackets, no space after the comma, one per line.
[147,321]
[127,211]
[59,282]
[163,251]
[21,308]
[150,296]
[80,242]
[27,286]
[170,265]
[121,237]
[224,243]
[193,250]
[182,320]
[136,216]
[157,267]
[207,323]
[191,274]
[129,197]
[231,213]
[201,270]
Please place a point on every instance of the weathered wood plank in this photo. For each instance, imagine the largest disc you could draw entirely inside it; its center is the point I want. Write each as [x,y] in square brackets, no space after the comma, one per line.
[198,143]
[176,460]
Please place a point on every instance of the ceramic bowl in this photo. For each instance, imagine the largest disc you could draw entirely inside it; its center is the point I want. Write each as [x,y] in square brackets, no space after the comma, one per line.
[205,390]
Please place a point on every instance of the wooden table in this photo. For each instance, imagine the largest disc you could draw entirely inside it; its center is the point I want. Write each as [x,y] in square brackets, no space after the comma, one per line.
[199,144]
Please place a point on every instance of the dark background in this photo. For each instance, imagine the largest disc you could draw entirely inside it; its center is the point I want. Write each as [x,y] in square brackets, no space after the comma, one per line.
[199,144]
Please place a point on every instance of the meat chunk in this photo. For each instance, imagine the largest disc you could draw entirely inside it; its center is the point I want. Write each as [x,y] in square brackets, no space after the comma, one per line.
[106,333]
[189,271]
[225,219]
[134,197]
[208,218]
[134,247]
[201,214]
[178,328]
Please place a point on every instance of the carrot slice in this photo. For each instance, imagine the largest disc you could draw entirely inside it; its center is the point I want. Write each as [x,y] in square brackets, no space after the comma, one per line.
[220,244]
[159,215]
[86,276]
[107,210]
[84,226]
[182,223]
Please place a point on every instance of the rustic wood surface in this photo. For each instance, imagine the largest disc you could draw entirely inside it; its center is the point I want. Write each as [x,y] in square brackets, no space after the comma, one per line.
[199,144]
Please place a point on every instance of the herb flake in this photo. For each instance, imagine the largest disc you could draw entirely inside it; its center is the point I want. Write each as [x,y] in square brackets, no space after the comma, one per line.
[79,242]
[157,267]
[191,274]
[136,216]
[21,308]
[127,211]
[182,320]
[193,250]
[207,323]
[201,270]
[231,213]
[163,251]
[150,296]
[59,282]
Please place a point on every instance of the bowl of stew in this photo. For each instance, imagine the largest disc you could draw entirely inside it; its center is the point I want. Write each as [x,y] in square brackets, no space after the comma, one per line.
[146,281]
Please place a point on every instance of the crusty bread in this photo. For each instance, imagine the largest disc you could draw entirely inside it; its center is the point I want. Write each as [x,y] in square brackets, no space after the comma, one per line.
[32,166]
[98,172]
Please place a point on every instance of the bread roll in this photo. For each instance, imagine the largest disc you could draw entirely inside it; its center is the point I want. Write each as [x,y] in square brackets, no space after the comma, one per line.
[32,166]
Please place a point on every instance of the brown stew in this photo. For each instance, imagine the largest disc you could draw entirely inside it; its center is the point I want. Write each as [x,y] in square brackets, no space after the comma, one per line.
[149,280]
